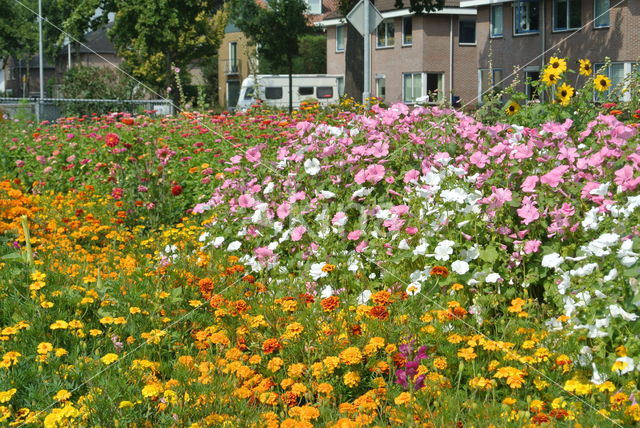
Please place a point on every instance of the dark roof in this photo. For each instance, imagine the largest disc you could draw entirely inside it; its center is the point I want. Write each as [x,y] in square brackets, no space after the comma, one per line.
[95,42]
[388,5]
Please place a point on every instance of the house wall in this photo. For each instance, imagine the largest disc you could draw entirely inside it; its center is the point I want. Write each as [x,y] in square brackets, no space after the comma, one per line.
[620,41]
[244,52]
[429,52]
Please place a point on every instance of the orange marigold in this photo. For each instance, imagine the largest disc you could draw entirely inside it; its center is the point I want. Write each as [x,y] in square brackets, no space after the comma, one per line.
[439,271]
[330,303]
[270,346]
[382,297]
[379,312]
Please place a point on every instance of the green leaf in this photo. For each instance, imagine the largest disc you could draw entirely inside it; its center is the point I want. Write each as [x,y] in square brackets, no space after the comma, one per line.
[489,254]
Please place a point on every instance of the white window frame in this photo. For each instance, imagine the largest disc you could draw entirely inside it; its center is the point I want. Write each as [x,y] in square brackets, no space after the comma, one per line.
[340,86]
[475,32]
[567,16]
[340,37]
[381,78]
[233,57]
[492,25]
[440,88]
[388,41]
[315,7]
[404,39]
[595,14]
[414,96]
[516,8]
[528,88]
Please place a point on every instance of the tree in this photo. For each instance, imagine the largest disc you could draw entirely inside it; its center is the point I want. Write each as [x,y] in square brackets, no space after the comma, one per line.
[276,30]
[152,36]
[17,37]
[354,52]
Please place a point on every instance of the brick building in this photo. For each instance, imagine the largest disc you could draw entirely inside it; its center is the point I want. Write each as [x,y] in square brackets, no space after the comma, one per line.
[414,56]
[524,34]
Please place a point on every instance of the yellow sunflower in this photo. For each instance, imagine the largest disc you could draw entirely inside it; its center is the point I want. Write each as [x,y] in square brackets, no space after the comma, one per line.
[550,77]
[512,108]
[602,83]
[585,67]
[558,65]
[564,93]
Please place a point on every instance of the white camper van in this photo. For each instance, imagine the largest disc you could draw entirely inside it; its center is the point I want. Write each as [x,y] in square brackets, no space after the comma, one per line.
[273,89]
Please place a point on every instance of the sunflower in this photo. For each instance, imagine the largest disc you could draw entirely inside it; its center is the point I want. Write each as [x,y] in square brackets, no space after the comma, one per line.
[558,65]
[512,108]
[565,92]
[550,77]
[602,83]
[585,67]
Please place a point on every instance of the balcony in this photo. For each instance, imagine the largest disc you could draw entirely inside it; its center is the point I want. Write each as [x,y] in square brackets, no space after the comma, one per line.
[231,67]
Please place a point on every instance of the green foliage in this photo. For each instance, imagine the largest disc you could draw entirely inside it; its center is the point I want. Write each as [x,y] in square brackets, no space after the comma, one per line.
[95,83]
[418,7]
[17,35]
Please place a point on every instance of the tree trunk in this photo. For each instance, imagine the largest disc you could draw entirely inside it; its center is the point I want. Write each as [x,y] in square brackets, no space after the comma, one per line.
[354,64]
[290,60]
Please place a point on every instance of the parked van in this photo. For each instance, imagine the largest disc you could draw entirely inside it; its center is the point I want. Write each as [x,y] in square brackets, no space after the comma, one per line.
[273,89]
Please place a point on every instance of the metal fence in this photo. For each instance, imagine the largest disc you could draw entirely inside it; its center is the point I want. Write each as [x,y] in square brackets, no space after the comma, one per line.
[53,108]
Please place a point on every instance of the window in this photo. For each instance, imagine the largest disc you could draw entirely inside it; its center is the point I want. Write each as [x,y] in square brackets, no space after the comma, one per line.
[381,86]
[248,95]
[315,7]
[340,86]
[601,18]
[233,57]
[273,93]
[467,31]
[616,72]
[324,92]
[412,87]
[407,31]
[496,20]
[532,75]
[435,87]
[340,29]
[527,16]
[566,14]
[490,81]
[386,34]
[305,90]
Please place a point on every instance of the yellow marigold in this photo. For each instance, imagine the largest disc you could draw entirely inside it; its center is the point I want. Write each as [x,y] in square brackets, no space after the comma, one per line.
[275,364]
[298,388]
[152,390]
[440,363]
[296,370]
[351,356]
[62,395]
[351,379]
[44,348]
[454,338]
[59,325]
[324,388]
[109,358]
[467,353]
[6,395]
[403,398]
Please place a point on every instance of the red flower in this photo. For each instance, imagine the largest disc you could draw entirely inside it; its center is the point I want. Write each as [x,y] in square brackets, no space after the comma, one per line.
[176,189]
[111,139]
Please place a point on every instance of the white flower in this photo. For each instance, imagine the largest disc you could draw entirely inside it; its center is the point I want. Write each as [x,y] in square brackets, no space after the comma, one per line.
[597,378]
[312,166]
[454,195]
[602,190]
[600,247]
[269,188]
[326,292]
[613,273]
[444,250]
[364,191]
[552,260]
[364,297]
[470,254]
[327,194]
[317,272]
[217,242]
[413,288]
[591,219]
[617,311]
[234,246]
[403,245]
[584,270]
[628,365]
[203,237]
[460,267]
[421,249]
[626,255]
[492,278]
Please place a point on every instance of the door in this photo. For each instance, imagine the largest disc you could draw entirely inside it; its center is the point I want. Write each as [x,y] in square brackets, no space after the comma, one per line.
[233,92]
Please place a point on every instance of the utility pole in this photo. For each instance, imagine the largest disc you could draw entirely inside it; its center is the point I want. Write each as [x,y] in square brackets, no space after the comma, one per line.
[366,94]
[41,55]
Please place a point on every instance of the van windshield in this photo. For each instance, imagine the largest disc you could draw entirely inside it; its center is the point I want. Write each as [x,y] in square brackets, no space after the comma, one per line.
[248,94]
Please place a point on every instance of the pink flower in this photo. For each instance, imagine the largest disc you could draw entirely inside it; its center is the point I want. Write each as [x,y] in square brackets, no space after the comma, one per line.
[554,177]
[375,173]
[355,235]
[361,246]
[246,201]
[297,233]
[340,219]
[283,210]
[479,159]
[529,184]
[411,230]
[624,178]
[399,210]
[253,154]
[528,212]
[411,175]
[532,246]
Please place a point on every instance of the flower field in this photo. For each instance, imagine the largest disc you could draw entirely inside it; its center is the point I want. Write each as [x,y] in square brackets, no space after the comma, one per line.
[399,267]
